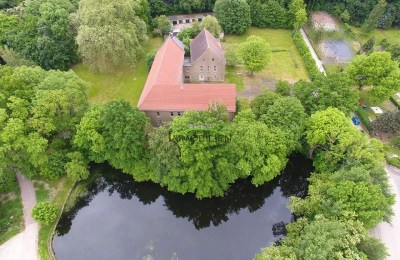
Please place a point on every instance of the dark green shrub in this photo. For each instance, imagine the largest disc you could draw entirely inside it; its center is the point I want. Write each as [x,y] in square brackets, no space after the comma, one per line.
[44,213]
[396,142]
[150,58]
[283,88]
[231,59]
[394,161]
[7,182]
[364,119]
[368,46]
[384,43]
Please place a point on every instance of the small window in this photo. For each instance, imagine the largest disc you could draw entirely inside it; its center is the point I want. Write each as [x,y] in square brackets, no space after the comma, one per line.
[208,68]
[204,59]
[158,114]
[215,76]
[159,122]
[201,68]
[179,113]
[215,68]
[200,19]
[174,22]
[180,21]
[187,21]
[212,59]
[193,20]
[172,113]
[187,70]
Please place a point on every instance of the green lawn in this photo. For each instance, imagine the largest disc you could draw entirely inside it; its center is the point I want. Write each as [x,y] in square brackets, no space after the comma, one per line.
[285,63]
[126,84]
[11,215]
[393,35]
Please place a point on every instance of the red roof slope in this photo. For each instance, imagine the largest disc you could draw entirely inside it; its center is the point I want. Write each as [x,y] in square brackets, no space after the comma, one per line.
[164,90]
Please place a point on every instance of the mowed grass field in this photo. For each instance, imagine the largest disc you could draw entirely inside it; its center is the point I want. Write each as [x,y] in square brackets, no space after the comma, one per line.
[285,63]
[126,83]
[392,35]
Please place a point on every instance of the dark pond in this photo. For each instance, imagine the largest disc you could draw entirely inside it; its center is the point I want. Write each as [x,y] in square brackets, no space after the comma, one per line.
[122,219]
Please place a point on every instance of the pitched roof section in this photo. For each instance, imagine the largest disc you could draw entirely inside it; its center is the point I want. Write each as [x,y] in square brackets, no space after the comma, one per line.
[204,41]
[166,68]
[189,97]
[165,91]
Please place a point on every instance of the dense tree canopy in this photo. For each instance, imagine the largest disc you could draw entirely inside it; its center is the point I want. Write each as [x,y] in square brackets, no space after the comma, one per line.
[110,33]
[115,132]
[39,111]
[270,13]
[378,71]
[211,24]
[44,34]
[374,17]
[233,15]
[334,90]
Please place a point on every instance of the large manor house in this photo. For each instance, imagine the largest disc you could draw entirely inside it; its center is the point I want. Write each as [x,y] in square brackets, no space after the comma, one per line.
[177,83]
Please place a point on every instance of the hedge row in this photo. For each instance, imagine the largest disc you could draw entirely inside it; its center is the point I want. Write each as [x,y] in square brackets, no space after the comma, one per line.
[364,119]
[394,161]
[394,101]
[311,66]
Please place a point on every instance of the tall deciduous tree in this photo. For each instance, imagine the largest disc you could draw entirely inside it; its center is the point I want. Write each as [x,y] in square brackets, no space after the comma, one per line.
[110,33]
[255,53]
[211,24]
[389,122]
[162,25]
[335,90]
[374,17]
[297,13]
[233,15]
[377,70]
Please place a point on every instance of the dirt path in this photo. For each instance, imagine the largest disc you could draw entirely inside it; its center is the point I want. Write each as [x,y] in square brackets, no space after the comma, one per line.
[24,245]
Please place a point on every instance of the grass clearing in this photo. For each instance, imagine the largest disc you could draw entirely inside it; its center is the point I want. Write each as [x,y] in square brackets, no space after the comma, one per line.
[285,63]
[392,35]
[124,83]
[64,187]
[11,215]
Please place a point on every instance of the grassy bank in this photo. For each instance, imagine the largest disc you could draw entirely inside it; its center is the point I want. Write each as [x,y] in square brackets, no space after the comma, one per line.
[124,83]
[11,215]
[62,189]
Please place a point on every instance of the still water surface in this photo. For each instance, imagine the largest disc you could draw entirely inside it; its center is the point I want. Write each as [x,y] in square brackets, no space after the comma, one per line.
[122,219]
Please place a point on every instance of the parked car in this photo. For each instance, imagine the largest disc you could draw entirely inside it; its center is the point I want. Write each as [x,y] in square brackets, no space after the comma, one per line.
[355,120]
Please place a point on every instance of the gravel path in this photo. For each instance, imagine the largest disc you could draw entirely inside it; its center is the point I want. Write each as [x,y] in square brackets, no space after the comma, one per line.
[24,245]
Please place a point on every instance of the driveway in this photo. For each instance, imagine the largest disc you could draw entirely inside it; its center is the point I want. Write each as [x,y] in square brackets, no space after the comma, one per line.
[24,245]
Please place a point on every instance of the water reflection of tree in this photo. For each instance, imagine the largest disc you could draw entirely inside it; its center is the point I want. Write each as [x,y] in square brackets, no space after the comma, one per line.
[202,213]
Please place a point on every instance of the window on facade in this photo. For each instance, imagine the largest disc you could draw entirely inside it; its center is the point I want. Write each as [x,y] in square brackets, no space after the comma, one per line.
[201,68]
[204,59]
[215,77]
[179,113]
[200,19]
[158,113]
[215,68]
[212,59]
[208,68]
[187,21]
[172,113]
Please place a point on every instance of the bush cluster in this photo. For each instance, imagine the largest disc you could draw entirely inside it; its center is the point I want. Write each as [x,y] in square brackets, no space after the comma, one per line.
[305,53]
[44,213]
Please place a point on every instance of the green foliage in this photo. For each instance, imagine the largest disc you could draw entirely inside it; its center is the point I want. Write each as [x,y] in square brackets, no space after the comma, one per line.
[8,182]
[110,39]
[363,116]
[114,132]
[368,46]
[395,161]
[162,26]
[377,70]
[389,122]
[334,90]
[76,168]
[45,35]
[309,62]
[262,102]
[396,142]
[297,15]
[38,113]
[373,248]
[268,14]
[233,15]
[44,213]
[211,24]
[231,59]
[255,53]
[150,59]
[374,17]
[345,16]
[14,59]
[283,88]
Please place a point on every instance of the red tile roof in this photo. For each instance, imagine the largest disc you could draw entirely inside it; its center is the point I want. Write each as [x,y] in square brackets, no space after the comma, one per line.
[164,90]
